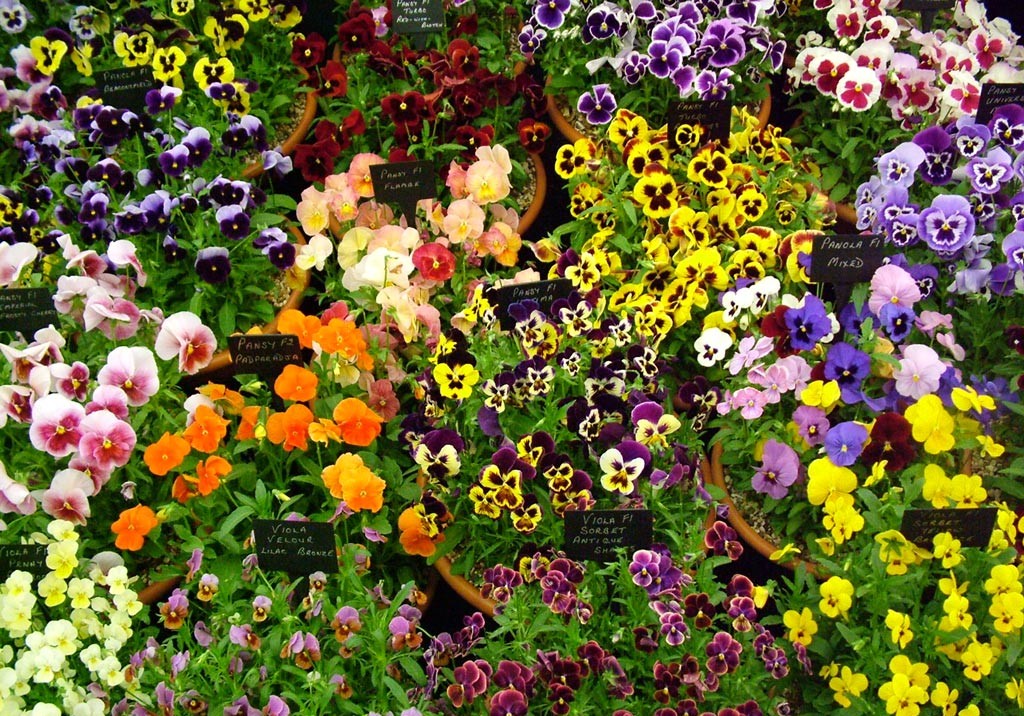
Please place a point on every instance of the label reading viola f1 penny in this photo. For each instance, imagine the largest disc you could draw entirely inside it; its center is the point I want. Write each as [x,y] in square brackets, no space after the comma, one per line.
[846,258]
[417,17]
[126,87]
[973,527]
[544,293]
[597,534]
[26,310]
[295,547]
[264,355]
[715,116]
[29,558]
[403,183]
[995,95]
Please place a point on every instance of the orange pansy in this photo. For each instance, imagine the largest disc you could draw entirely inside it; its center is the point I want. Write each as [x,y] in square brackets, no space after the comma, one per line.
[323,431]
[181,490]
[297,323]
[166,453]
[349,479]
[414,540]
[208,474]
[358,424]
[207,429]
[290,428]
[250,420]
[232,400]
[132,527]
[296,383]
[344,338]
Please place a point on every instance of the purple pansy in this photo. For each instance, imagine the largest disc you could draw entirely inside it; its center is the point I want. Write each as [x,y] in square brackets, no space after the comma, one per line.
[939,155]
[780,468]
[634,67]
[598,105]
[711,85]
[723,44]
[551,13]
[602,23]
[898,167]
[848,366]
[1013,249]
[531,39]
[845,442]
[989,173]
[971,139]
[808,323]
[664,58]
[233,221]
[948,224]
[1007,126]
[213,264]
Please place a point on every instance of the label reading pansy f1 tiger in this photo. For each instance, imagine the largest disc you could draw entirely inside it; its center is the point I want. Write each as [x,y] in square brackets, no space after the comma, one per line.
[295,547]
[973,527]
[715,116]
[597,534]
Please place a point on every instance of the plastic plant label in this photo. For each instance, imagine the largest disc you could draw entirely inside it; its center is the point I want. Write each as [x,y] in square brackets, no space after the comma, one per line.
[995,95]
[29,558]
[597,534]
[264,355]
[846,258]
[126,87]
[26,310]
[715,116]
[973,527]
[295,547]
[403,183]
[544,293]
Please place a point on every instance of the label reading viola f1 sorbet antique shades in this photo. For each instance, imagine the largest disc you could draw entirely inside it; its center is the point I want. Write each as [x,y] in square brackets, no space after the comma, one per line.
[416,17]
[29,558]
[295,547]
[403,183]
[715,116]
[126,87]
[846,258]
[264,355]
[26,310]
[597,534]
[995,95]
[973,527]
[544,293]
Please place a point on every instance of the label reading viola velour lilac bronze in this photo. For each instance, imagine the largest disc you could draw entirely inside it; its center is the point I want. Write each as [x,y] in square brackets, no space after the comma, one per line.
[295,547]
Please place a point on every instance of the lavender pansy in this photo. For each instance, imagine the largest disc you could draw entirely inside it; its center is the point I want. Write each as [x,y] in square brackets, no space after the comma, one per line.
[598,105]
[897,167]
[989,173]
[780,468]
[1008,126]
[948,224]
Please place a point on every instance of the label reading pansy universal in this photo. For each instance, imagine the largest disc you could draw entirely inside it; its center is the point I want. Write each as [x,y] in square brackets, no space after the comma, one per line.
[995,95]
[29,558]
[544,293]
[264,355]
[26,310]
[597,534]
[403,183]
[715,116]
[973,527]
[417,17]
[295,547]
[927,8]
[126,87]
[846,258]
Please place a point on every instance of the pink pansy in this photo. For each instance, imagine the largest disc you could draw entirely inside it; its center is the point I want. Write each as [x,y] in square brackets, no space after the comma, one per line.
[23,360]
[69,298]
[893,284]
[430,317]
[963,92]
[89,262]
[72,381]
[464,221]
[15,403]
[312,211]
[456,181]
[111,398]
[395,238]
[929,321]
[99,476]
[14,497]
[797,371]
[40,380]
[987,48]
[359,173]
[750,350]
[122,253]
[848,21]
[14,258]
[116,318]
[107,441]
[382,399]
[55,421]
[828,68]
[749,401]
[859,89]
[184,335]
[875,55]
[881,27]
[67,498]
[497,154]
[487,181]
[775,380]
[919,371]
[948,341]
[373,215]
[133,369]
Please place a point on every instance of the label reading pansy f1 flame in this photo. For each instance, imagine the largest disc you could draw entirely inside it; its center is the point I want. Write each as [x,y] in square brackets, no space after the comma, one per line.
[295,547]
[597,534]
[403,183]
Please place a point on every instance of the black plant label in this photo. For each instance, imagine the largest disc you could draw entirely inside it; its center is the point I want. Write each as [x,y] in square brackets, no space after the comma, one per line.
[715,116]
[26,310]
[264,355]
[544,293]
[995,95]
[846,258]
[597,534]
[403,183]
[29,558]
[973,527]
[417,17]
[295,547]
[126,87]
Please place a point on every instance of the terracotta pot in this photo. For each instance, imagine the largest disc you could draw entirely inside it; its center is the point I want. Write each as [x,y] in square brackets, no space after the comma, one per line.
[158,591]
[539,194]
[571,134]
[757,541]
[847,214]
[222,359]
[464,588]
[255,169]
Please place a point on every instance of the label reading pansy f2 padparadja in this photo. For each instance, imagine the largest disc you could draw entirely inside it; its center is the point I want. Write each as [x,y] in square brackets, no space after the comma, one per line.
[26,310]
[264,355]
[295,547]
[597,534]
[973,527]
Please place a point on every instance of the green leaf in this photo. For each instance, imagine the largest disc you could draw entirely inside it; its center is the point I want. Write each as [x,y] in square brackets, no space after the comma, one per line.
[226,318]
[235,518]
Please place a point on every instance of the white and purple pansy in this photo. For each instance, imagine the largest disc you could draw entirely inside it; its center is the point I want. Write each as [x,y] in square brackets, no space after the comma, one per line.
[948,224]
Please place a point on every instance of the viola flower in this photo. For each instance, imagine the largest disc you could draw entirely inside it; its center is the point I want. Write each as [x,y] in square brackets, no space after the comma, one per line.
[358,425]
[551,15]
[106,441]
[919,373]
[899,166]
[350,480]
[206,430]
[183,334]
[55,425]
[166,454]
[723,540]
[67,497]
[434,262]
[780,469]
[948,224]
[812,424]
[296,383]
[290,429]
[808,323]
[208,474]
[858,89]
[844,442]
[598,105]
[656,191]
[132,527]
[213,264]
[621,466]
[722,44]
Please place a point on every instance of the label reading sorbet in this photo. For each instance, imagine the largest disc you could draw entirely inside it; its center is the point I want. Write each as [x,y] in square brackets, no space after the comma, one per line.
[295,547]
[597,534]
[972,527]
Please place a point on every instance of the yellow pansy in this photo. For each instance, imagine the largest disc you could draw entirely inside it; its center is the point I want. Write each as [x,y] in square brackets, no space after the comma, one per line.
[931,424]
[47,54]
[167,63]
[825,479]
[848,683]
[899,628]
[968,399]
[821,394]
[836,597]
[801,625]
